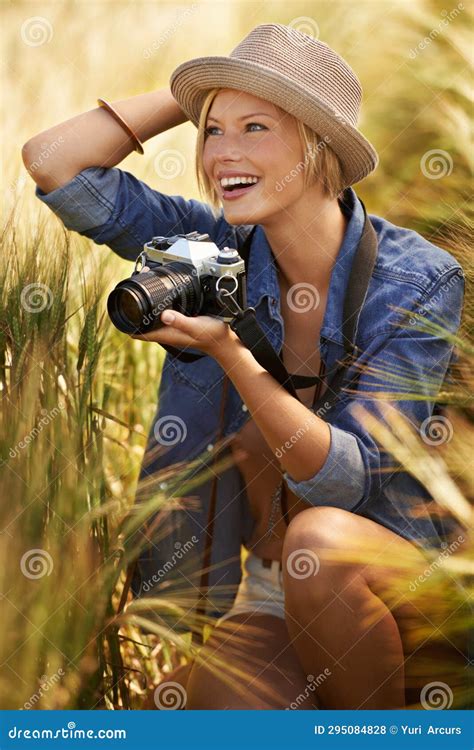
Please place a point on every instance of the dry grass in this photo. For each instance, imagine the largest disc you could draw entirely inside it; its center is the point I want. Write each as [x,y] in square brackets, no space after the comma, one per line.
[67,490]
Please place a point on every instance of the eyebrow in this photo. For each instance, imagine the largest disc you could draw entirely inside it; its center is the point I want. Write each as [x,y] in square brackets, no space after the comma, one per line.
[244,117]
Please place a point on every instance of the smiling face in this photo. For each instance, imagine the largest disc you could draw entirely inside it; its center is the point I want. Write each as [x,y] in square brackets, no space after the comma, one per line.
[254,140]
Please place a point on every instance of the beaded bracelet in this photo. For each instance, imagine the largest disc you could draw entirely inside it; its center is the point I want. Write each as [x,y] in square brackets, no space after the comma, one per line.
[137,144]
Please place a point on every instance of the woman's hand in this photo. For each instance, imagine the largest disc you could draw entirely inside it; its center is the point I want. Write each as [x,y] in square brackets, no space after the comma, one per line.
[210,335]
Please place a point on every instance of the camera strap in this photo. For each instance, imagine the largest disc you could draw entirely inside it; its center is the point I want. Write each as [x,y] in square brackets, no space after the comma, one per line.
[249,331]
[251,334]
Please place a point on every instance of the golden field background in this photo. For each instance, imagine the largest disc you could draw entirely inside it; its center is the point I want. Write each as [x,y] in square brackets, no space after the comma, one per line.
[68,492]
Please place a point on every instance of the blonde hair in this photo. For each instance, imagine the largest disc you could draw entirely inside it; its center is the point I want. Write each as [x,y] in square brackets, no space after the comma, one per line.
[320,162]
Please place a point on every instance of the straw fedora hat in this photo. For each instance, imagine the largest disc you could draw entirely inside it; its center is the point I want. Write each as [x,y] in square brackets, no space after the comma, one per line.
[298,73]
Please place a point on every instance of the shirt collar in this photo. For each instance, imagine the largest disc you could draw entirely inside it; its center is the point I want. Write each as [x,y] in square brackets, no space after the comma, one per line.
[262,278]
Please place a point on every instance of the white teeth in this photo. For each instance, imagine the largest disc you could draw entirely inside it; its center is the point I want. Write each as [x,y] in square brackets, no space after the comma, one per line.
[226,181]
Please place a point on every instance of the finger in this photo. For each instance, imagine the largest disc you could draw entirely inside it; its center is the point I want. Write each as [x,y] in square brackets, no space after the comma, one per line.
[184,323]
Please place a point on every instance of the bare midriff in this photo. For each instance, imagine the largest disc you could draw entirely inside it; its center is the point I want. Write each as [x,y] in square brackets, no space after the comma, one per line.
[260,468]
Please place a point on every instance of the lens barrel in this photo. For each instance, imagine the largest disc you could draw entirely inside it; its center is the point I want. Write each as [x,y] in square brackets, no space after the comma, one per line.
[135,305]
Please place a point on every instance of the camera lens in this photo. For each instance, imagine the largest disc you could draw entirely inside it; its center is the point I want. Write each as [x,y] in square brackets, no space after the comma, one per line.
[135,305]
[130,308]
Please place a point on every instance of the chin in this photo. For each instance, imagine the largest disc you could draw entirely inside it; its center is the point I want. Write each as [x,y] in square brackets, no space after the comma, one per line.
[242,216]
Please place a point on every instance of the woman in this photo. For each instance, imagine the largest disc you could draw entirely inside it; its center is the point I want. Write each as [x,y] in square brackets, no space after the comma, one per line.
[278,148]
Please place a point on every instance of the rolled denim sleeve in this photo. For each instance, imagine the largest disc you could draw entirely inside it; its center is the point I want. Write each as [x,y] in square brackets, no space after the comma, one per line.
[412,361]
[114,208]
[341,479]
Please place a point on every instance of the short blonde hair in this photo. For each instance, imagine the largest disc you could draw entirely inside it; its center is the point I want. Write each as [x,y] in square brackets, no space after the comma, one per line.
[320,162]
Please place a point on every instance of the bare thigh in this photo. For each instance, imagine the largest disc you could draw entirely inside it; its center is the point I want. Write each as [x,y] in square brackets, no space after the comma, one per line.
[351,548]
[249,663]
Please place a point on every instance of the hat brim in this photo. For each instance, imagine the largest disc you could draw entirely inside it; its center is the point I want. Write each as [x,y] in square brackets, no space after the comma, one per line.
[192,80]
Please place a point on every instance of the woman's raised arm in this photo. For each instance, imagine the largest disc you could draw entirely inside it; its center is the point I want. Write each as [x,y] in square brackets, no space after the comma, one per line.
[95,138]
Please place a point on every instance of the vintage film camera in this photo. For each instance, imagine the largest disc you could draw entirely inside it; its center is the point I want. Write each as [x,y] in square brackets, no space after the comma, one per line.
[184,272]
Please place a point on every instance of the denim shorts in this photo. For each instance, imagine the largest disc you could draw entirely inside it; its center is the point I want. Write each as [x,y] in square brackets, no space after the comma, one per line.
[260,590]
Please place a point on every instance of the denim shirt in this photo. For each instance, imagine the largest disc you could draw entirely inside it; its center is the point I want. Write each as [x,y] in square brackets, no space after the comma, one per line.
[114,208]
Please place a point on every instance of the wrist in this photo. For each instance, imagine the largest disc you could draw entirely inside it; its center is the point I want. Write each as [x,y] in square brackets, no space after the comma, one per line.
[151,113]
[229,349]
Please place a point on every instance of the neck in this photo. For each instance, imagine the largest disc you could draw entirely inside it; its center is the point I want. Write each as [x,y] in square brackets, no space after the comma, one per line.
[306,240]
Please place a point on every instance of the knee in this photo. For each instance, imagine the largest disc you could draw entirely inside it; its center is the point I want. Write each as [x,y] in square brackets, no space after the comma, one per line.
[310,563]
[320,528]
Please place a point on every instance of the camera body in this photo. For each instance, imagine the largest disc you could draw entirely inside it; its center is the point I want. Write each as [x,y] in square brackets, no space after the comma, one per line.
[185,272]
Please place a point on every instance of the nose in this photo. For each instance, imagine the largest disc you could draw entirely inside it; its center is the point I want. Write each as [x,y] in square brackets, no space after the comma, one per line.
[226,148]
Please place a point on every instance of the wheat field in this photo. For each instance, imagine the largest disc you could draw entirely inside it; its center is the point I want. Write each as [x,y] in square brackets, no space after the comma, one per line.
[78,397]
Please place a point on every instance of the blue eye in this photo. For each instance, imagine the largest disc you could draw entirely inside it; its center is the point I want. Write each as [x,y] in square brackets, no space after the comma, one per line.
[210,128]
[257,124]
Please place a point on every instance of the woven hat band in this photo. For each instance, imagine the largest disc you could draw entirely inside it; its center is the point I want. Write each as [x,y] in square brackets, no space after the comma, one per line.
[311,62]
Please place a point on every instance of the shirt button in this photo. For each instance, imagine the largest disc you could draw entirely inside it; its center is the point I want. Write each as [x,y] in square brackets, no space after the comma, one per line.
[163,485]
[244,407]
[210,447]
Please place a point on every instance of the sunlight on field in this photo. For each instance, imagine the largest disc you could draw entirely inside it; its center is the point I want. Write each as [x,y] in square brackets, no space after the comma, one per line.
[78,396]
